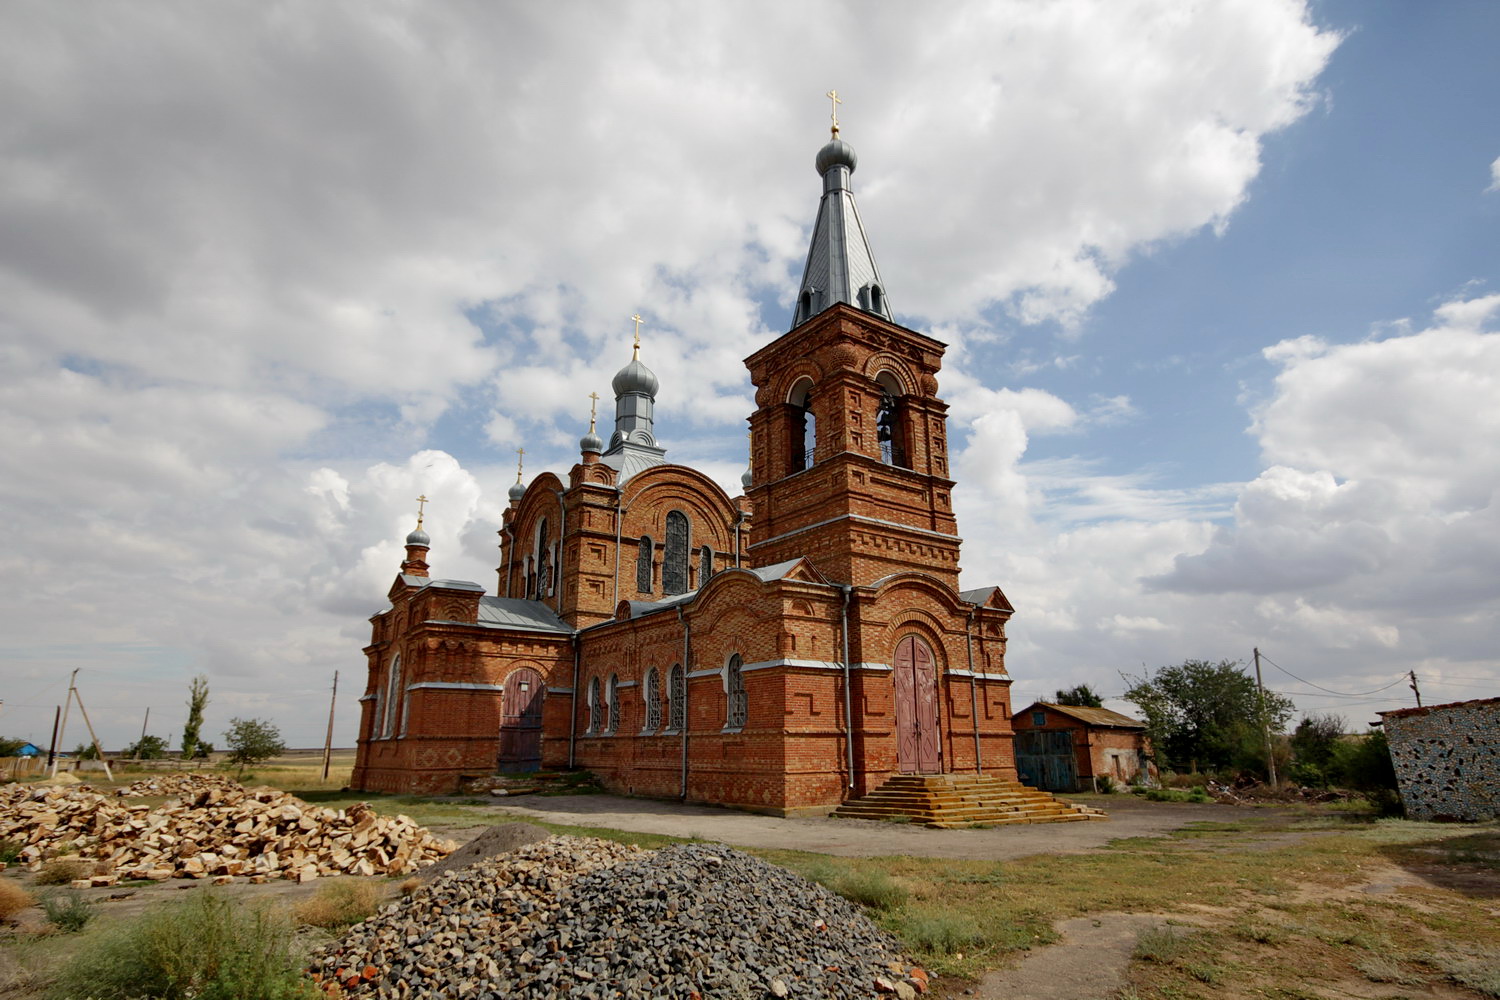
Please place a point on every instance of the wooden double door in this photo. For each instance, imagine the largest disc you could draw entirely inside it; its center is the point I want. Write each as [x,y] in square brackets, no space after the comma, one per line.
[521,721]
[918,743]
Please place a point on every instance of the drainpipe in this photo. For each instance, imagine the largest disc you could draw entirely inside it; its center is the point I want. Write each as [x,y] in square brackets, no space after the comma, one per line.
[973,690]
[510,558]
[562,541]
[739,525]
[687,719]
[848,696]
[573,707]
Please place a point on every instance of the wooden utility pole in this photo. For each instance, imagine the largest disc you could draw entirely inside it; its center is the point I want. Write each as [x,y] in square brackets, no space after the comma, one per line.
[52,748]
[62,731]
[1265,724]
[1415,690]
[142,742]
[328,740]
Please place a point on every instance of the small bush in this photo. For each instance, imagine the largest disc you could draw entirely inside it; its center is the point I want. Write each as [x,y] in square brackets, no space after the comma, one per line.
[339,903]
[1106,785]
[67,911]
[1161,945]
[204,947]
[60,871]
[10,850]
[872,888]
[942,933]
[13,899]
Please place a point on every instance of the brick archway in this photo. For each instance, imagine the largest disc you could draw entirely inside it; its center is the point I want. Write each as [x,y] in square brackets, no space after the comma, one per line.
[915,680]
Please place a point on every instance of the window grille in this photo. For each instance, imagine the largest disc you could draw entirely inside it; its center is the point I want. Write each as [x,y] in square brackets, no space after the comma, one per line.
[674,562]
[596,708]
[738,708]
[653,700]
[643,564]
[677,698]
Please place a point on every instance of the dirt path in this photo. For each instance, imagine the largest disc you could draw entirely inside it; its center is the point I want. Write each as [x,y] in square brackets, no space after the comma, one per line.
[1128,817]
[1088,963]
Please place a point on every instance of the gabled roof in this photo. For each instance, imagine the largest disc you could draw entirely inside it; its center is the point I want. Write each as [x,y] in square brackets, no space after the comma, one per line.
[986,597]
[513,612]
[789,570]
[1090,716]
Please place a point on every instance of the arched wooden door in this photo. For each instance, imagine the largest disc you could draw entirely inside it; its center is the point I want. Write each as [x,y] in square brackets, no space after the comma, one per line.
[521,721]
[917,746]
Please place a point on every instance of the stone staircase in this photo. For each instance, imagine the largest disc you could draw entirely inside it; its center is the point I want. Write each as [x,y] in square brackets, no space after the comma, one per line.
[963,800]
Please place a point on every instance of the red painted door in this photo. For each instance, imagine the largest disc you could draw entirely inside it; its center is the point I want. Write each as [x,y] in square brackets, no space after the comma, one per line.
[917,746]
[521,721]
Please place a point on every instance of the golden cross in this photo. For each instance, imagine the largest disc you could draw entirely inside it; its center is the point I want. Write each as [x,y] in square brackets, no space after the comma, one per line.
[593,410]
[421,504]
[637,351]
[833,95]
[520,454]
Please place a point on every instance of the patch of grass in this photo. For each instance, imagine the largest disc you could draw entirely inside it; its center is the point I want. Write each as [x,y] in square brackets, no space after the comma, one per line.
[1382,969]
[204,947]
[67,911]
[870,887]
[937,932]
[10,850]
[1476,968]
[1261,932]
[1161,945]
[339,903]
[61,871]
[13,899]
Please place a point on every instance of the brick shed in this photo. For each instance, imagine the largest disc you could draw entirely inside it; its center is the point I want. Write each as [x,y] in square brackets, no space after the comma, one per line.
[1447,759]
[1067,748]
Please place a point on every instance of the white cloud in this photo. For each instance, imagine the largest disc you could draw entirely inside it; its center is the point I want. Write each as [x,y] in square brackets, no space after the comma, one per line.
[1494,176]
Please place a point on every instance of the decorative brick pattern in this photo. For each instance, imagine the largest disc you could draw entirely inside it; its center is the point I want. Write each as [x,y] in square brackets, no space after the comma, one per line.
[1447,759]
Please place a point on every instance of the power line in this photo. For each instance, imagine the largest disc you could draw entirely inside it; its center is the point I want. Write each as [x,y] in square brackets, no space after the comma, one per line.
[1341,694]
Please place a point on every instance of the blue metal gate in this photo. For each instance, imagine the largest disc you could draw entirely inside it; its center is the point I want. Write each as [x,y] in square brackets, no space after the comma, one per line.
[1044,759]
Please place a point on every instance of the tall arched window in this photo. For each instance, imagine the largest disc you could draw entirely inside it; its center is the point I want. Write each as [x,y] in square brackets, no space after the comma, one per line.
[612,707]
[804,442]
[651,692]
[674,557]
[392,699]
[676,698]
[737,707]
[890,423]
[643,564]
[542,554]
[596,708]
[705,565]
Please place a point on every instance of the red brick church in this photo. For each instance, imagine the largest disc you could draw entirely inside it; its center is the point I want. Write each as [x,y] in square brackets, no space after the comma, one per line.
[784,650]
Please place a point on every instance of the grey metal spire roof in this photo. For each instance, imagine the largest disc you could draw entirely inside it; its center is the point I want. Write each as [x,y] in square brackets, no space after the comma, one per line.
[840,267]
[633,447]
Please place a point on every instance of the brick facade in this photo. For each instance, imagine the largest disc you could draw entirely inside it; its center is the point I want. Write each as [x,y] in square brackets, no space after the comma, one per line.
[1447,759]
[1104,743]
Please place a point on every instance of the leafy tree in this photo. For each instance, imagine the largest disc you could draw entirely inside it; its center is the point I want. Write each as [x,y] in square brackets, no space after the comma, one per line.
[1364,764]
[251,741]
[197,702]
[1313,744]
[147,748]
[1081,696]
[10,747]
[1208,714]
[86,751]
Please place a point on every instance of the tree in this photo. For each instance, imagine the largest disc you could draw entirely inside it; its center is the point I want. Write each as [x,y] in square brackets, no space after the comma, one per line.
[251,741]
[86,751]
[1207,714]
[1364,764]
[10,747]
[1313,744]
[147,748]
[1081,696]
[197,702]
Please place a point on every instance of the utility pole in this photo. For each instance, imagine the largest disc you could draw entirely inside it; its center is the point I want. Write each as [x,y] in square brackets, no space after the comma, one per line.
[328,740]
[67,706]
[1265,724]
[97,748]
[142,742]
[52,748]
[1415,690]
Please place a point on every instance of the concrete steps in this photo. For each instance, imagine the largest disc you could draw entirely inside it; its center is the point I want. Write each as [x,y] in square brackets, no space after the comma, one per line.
[963,800]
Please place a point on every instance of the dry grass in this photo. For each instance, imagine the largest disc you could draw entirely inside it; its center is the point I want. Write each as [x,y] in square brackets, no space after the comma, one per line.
[13,899]
[61,871]
[340,903]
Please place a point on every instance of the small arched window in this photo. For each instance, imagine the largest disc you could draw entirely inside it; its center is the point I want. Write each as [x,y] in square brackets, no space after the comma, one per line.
[651,692]
[890,422]
[674,557]
[705,565]
[804,307]
[612,706]
[643,560]
[877,300]
[596,708]
[737,708]
[676,698]
[804,438]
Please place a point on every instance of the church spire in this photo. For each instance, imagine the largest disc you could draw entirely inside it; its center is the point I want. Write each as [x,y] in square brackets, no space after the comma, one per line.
[840,266]
[633,447]
[417,544]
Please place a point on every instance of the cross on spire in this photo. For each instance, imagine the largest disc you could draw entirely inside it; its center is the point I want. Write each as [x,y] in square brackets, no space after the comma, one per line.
[520,455]
[593,410]
[833,95]
[421,506]
[636,354]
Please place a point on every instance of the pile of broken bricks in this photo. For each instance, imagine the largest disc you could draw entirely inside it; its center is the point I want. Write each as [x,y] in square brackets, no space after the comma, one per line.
[210,828]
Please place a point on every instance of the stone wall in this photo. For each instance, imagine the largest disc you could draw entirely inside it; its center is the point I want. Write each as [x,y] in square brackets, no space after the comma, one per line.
[1447,759]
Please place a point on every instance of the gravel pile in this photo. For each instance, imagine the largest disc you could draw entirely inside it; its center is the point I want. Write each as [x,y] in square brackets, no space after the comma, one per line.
[575,917]
[498,839]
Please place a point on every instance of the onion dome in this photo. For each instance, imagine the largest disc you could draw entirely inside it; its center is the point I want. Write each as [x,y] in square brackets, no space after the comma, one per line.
[517,491]
[837,153]
[591,442]
[635,378]
[419,537]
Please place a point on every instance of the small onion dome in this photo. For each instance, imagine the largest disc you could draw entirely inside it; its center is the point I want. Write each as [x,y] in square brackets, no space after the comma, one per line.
[635,377]
[591,442]
[837,153]
[747,479]
[419,537]
[517,491]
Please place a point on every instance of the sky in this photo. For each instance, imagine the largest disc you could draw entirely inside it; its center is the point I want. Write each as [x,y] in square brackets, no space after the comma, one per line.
[1220,284]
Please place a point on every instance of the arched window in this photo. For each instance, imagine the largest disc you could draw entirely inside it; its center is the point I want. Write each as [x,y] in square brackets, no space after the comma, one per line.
[674,559]
[392,698]
[651,692]
[890,423]
[643,564]
[877,300]
[804,307]
[737,707]
[612,707]
[542,553]
[804,442]
[596,708]
[676,698]
[705,565]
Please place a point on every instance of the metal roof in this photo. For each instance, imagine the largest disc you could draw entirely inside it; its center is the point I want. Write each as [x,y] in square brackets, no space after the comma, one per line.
[513,612]
[776,571]
[1092,716]
[840,266]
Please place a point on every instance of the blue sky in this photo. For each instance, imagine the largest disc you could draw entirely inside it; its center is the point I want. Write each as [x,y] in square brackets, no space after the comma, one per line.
[1220,282]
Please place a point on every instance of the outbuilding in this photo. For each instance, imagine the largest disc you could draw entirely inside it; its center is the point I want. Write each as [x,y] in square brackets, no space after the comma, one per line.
[1068,748]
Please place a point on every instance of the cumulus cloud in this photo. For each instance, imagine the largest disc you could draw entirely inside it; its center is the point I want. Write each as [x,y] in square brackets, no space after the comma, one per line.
[1494,176]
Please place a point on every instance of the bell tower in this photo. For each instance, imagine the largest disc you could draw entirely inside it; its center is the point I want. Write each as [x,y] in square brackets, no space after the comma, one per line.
[849,456]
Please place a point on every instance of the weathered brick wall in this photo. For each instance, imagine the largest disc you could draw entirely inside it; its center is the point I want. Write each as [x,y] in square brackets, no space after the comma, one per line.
[1447,759]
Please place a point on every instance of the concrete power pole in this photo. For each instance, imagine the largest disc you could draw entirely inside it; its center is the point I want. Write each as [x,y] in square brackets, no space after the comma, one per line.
[328,740]
[1265,724]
